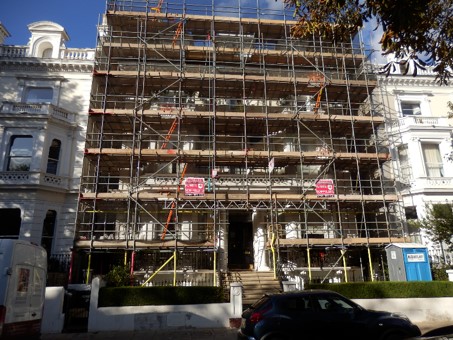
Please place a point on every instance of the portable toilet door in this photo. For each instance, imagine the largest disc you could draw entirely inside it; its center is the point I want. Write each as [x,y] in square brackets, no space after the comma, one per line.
[416,261]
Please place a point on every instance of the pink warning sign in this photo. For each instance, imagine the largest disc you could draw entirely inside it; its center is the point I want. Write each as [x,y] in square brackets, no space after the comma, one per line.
[325,187]
[194,186]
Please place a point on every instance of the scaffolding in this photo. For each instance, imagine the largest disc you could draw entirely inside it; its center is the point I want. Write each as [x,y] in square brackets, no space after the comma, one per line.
[211,128]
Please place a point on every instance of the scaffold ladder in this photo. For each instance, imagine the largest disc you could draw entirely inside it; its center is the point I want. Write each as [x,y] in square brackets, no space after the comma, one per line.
[170,132]
[317,80]
[177,33]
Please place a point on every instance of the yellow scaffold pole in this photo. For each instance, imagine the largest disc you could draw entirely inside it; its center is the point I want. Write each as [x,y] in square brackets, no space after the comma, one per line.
[174,269]
[344,265]
[371,264]
[125,258]
[273,255]
[158,270]
[309,264]
[87,280]
[215,265]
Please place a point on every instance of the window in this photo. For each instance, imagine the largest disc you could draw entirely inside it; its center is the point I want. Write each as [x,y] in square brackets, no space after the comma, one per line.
[432,160]
[47,53]
[54,155]
[410,108]
[48,231]
[39,95]
[20,153]
[405,167]
[11,220]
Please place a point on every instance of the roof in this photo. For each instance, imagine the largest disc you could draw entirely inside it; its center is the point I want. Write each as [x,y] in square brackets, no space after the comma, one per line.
[406,245]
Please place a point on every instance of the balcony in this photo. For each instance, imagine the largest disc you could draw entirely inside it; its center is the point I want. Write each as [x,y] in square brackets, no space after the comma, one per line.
[49,110]
[410,122]
[30,178]
[72,54]
[432,184]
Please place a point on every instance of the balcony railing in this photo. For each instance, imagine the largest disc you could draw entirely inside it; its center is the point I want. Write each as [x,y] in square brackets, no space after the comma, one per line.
[419,121]
[38,108]
[33,178]
[65,53]
[427,183]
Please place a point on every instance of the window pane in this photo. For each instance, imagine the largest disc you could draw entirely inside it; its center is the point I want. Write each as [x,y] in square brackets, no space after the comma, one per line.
[433,160]
[39,95]
[20,153]
[409,108]
[53,157]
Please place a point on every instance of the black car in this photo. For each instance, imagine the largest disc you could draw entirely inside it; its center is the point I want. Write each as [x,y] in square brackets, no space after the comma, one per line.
[320,314]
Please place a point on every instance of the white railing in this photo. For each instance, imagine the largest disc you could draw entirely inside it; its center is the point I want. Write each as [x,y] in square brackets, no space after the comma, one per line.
[44,109]
[77,54]
[433,183]
[65,53]
[32,178]
[420,121]
[14,51]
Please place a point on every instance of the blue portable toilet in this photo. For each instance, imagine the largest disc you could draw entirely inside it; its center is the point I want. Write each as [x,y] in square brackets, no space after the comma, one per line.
[408,262]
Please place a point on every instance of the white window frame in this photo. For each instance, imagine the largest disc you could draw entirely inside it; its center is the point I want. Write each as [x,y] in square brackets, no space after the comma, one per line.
[440,165]
[421,99]
[52,82]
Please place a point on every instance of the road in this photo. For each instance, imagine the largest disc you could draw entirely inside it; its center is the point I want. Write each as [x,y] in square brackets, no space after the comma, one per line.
[213,333]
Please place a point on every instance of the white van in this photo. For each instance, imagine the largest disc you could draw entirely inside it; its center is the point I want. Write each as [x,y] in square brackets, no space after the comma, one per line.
[23,272]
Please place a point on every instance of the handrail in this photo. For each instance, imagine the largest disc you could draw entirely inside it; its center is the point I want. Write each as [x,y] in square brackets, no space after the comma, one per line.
[273,255]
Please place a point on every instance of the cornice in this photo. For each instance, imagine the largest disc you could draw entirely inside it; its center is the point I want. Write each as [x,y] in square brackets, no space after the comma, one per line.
[11,65]
[398,80]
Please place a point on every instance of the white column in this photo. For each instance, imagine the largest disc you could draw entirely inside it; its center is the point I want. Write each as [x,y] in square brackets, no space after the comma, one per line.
[259,241]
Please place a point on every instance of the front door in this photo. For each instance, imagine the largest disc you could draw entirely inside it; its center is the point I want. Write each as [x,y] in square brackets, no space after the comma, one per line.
[240,244]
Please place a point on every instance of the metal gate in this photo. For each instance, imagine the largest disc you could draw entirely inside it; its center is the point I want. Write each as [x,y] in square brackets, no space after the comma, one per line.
[76,308]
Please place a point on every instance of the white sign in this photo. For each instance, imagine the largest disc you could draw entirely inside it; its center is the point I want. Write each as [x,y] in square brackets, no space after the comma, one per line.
[271,164]
[417,257]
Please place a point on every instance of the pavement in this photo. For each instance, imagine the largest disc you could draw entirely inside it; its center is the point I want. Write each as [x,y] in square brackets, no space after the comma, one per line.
[431,329]
[186,334]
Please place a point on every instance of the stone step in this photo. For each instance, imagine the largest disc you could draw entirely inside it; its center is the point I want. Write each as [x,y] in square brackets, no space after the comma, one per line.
[255,284]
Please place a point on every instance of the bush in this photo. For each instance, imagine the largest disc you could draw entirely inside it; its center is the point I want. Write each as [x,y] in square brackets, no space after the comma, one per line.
[440,273]
[389,289]
[143,296]
[119,276]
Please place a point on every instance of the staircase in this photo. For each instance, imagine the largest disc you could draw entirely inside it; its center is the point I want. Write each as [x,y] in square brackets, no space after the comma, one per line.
[255,284]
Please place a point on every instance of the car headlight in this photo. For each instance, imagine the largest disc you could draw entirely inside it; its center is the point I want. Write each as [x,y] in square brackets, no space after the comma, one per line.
[400,316]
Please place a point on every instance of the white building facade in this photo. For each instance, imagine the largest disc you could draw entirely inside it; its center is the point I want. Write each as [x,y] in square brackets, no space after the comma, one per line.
[420,130]
[44,99]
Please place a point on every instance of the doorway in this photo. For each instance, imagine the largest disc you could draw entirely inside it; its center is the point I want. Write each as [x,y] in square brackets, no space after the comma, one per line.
[240,241]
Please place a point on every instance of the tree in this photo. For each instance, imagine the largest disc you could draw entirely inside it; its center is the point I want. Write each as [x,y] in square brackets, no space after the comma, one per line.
[415,31]
[438,223]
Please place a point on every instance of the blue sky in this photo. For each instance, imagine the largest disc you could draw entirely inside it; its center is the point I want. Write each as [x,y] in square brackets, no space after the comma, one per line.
[78,17]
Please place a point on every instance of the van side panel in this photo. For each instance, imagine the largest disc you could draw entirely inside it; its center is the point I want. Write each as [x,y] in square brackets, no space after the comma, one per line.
[24,293]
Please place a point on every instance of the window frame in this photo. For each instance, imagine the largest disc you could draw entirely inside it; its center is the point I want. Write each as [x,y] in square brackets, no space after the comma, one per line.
[39,100]
[52,160]
[11,145]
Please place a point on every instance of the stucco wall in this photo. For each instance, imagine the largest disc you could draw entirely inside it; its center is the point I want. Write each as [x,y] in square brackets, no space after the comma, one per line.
[160,317]
[419,310]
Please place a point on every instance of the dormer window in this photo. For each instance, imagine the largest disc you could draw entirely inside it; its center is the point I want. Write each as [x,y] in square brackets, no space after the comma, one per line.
[39,95]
